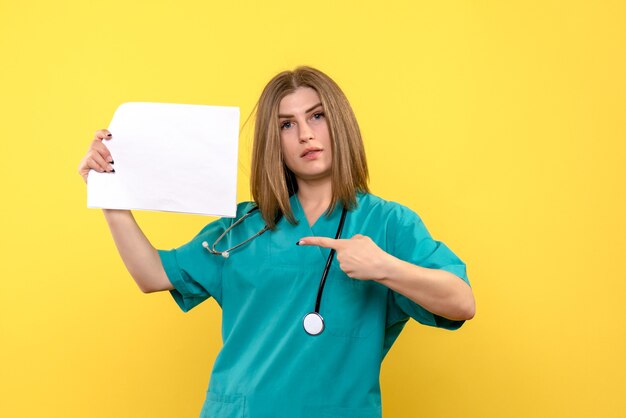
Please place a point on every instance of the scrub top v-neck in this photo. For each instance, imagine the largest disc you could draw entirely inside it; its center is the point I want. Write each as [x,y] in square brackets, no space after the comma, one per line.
[268,366]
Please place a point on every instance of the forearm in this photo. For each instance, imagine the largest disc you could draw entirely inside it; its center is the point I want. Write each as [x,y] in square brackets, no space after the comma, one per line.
[437,291]
[140,258]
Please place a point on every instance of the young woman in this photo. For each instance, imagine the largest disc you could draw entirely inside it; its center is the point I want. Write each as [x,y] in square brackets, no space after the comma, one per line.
[316,278]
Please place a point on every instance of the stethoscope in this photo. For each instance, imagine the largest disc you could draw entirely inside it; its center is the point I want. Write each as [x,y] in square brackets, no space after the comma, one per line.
[312,322]
[226,253]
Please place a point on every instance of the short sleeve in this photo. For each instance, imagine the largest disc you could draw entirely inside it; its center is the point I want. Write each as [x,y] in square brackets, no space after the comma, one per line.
[195,273]
[410,241]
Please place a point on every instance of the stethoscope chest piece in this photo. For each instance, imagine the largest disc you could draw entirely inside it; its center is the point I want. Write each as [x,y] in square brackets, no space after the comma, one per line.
[313,323]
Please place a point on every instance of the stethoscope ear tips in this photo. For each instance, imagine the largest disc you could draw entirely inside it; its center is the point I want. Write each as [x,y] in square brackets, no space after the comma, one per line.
[224,254]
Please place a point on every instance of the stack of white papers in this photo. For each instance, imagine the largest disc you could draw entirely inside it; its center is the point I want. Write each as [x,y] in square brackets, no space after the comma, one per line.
[170,157]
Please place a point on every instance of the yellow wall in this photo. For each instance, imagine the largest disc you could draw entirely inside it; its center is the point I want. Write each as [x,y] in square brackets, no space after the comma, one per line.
[501,123]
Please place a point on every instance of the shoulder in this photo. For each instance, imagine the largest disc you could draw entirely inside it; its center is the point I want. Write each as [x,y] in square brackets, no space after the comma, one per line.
[243,208]
[389,223]
[220,224]
[385,210]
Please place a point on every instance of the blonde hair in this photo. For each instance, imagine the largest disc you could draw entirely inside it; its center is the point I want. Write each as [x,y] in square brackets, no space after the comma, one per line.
[271,182]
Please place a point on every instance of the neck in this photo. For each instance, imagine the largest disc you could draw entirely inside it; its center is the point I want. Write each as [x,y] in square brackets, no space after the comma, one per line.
[315,193]
[315,197]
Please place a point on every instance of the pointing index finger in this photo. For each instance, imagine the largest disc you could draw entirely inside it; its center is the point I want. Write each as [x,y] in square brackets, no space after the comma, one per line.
[320,242]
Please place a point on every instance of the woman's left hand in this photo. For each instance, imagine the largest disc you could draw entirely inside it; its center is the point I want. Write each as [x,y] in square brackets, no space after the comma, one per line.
[359,257]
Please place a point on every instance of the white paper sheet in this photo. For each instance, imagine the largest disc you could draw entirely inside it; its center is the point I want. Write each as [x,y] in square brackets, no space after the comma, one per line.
[170,157]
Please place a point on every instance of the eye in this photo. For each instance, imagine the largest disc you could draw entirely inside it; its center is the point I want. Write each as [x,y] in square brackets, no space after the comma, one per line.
[318,115]
[286,125]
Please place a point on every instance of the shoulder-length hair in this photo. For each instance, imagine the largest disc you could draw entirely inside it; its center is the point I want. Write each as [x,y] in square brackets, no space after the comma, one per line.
[271,182]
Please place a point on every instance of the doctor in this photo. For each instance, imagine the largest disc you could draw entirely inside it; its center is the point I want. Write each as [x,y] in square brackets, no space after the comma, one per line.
[316,278]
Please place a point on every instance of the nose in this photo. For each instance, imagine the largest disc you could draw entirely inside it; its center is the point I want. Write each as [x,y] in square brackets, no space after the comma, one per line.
[306,133]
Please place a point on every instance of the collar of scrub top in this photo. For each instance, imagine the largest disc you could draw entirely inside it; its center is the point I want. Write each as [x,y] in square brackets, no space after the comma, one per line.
[226,253]
[313,322]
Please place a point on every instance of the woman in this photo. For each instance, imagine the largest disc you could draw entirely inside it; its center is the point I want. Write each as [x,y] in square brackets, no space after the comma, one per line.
[281,357]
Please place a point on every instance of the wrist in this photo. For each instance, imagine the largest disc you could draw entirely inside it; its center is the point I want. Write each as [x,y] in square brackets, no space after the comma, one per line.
[387,269]
[117,215]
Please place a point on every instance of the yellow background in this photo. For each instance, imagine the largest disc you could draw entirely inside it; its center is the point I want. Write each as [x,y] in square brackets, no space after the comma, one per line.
[501,123]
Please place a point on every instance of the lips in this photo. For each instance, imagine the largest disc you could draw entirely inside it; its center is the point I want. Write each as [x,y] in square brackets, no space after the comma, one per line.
[310,152]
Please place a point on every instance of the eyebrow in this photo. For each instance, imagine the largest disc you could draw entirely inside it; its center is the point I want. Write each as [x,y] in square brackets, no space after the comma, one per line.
[306,111]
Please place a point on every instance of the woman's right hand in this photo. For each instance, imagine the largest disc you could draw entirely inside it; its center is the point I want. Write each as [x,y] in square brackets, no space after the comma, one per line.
[141,259]
[98,156]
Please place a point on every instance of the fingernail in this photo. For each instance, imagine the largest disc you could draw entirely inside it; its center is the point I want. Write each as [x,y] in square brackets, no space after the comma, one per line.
[110,167]
[112,170]
[110,159]
[109,135]
[297,242]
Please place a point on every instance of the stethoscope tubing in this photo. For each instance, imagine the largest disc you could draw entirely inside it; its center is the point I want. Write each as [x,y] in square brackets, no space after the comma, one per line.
[226,253]
[329,261]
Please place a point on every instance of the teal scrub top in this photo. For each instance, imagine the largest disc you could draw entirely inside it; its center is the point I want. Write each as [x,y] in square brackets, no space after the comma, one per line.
[269,367]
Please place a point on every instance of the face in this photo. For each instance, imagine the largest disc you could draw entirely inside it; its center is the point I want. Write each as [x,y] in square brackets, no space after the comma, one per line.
[304,135]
